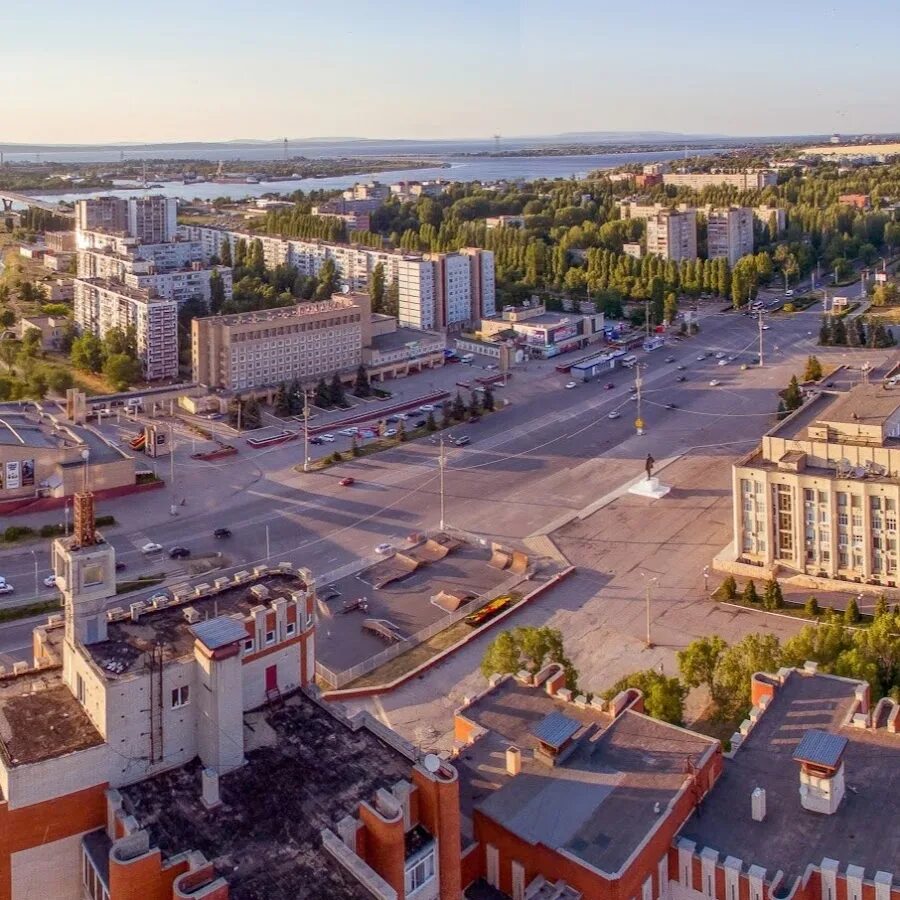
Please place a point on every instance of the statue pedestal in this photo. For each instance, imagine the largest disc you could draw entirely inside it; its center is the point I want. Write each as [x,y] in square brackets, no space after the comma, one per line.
[650,487]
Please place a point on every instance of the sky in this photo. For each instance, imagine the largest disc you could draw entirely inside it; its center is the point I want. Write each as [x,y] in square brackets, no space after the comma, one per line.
[105,71]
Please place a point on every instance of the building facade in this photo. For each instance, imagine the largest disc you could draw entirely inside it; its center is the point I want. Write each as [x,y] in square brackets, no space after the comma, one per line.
[673,235]
[820,496]
[729,233]
[748,180]
[150,220]
[101,304]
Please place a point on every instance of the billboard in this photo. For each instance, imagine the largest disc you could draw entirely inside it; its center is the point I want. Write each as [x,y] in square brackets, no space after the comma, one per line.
[27,473]
[12,475]
[567,332]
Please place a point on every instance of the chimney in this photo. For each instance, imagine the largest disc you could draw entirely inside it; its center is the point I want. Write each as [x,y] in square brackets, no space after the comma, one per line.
[821,758]
[758,804]
[209,782]
[513,760]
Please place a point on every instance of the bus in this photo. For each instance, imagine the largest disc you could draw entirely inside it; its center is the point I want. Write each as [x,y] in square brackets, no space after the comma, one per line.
[653,343]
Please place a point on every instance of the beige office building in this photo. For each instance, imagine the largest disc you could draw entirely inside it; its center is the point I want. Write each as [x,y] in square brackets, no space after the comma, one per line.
[673,235]
[748,180]
[305,341]
[820,495]
[729,233]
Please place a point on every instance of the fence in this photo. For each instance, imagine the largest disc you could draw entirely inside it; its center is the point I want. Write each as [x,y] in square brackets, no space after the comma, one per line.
[338,680]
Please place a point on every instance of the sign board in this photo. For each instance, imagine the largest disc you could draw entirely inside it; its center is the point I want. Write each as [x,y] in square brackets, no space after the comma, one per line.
[13,478]
[27,473]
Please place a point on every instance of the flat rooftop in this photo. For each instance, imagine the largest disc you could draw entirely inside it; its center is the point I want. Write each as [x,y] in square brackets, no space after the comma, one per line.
[862,832]
[597,803]
[41,719]
[398,339]
[19,430]
[168,628]
[864,404]
[305,771]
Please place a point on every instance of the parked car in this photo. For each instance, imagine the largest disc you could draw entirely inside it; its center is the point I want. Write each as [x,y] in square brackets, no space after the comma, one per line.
[720,355]
[701,357]
[349,432]
[609,386]
[670,359]
[723,362]
[384,549]
[151,547]
[789,293]
[5,586]
[390,432]
[316,441]
[327,438]
[222,533]
[426,407]
[671,406]
[392,419]
[159,598]
[121,567]
[50,581]
[463,440]
[421,423]
[474,419]
[715,382]
[571,384]
[179,553]
[615,414]
[681,378]
[681,368]
[346,482]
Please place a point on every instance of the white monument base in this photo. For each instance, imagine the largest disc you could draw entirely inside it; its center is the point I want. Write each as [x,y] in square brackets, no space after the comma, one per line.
[650,487]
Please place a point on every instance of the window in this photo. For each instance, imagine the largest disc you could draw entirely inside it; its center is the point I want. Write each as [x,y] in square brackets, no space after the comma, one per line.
[79,688]
[291,629]
[270,638]
[181,696]
[420,873]
[248,645]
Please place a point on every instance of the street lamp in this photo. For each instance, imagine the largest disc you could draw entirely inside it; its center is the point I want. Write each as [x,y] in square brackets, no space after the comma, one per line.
[706,580]
[37,589]
[650,581]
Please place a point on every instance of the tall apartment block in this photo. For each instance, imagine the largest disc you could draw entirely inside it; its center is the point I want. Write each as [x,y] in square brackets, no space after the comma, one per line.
[748,180]
[440,290]
[150,220]
[729,233]
[673,235]
[819,496]
[102,304]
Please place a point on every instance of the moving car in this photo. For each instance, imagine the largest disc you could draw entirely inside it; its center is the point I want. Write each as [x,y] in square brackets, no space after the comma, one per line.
[426,407]
[723,362]
[571,384]
[609,385]
[179,553]
[715,382]
[474,419]
[671,406]
[316,441]
[349,432]
[327,438]
[681,368]
[121,567]
[615,414]
[701,357]
[346,482]
[384,549]
[765,327]
[5,586]
[681,378]
[789,293]
[462,440]
[151,547]
[720,355]
[50,581]
[222,533]
[670,359]
[633,397]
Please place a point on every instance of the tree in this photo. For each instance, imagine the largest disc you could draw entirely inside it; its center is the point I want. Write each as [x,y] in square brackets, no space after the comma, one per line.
[216,292]
[32,342]
[376,288]
[120,340]
[354,446]
[749,595]
[361,387]
[7,318]
[295,398]
[459,407]
[328,280]
[235,412]
[670,307]
[663,697]
[9,351]
[881,607]
[225,253]
[430,424]
[401,431]
[793,398]
[530,648]
[772,595]
[281,405]
[727,590]
[731,683]
[842,269]
[252,415]
[697,662]
[488,401]
[839,333]
[36,386]
[59,380]
[121,370]
[392,299]
[336,391]
[323,395]
[474,404]
[825,336]
[811,608]
[813,370]
[851,612]
[87,353]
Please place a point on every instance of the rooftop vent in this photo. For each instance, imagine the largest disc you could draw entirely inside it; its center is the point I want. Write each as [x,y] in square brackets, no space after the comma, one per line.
[758,804]
[191,615]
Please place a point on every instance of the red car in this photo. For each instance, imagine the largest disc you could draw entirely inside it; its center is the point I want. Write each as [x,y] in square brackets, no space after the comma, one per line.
[346,482]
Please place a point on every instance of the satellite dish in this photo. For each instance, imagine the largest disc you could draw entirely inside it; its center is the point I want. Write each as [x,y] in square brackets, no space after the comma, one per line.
[432,763]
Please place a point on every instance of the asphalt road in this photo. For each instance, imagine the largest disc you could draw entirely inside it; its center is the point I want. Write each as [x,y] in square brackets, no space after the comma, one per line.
[551,450]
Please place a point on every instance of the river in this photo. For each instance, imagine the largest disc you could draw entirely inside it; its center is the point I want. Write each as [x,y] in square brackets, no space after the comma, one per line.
[485,169]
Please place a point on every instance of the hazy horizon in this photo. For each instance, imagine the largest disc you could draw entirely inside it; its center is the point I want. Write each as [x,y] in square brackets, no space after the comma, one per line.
[513,67]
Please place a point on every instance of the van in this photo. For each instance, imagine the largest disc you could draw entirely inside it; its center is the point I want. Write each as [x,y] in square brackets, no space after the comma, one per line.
[629,361]
[467,359]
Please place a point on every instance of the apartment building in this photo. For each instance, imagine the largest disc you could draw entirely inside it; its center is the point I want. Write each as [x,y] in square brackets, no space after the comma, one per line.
[672,234]
[765,215]
[150,220]
[729,233]
[101,304]
[748,180]
[370,190]
[439,290]
[820,496]
[504,222]
[305,341]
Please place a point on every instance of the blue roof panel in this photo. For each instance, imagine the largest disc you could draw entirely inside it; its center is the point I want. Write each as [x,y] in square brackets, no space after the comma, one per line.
[555,729]
[220,632]
[821,748]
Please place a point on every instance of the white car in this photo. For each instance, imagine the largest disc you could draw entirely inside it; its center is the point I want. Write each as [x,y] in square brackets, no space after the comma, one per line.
[159,598]
[701,357]
[788,293]
[723,362]
[633,397]
[715,382]
[5,586]
[615,414]
[349,432]
[384,549]
[426,407]
[50,581]
[570,385]
[327,438]
[765,327]
[720,355]
[391,432]
[151,547]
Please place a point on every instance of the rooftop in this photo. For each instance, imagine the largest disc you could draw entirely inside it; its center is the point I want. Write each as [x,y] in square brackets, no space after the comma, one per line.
[599,801]
[122,289]
[305,771]
[41,719]
[294,311]
[168,628]
[791,837]
[401,336]
[865,404]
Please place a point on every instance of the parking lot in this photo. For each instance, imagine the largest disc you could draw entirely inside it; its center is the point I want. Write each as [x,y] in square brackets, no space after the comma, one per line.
[341,640]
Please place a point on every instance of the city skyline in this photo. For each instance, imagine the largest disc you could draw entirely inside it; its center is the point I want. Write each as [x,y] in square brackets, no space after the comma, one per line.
[414,74]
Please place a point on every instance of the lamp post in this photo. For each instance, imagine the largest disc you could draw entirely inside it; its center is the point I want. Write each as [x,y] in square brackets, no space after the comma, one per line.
[706,580]
[173,509]
[649,582]
[441,468]
[36,581]
[305,430]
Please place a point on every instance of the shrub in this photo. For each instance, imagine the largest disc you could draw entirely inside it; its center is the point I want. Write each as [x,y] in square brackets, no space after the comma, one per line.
[100,521]
[749,595]
[51,530]
[789,307]
[811,607]
[851,613]
[15,532]
[727,590]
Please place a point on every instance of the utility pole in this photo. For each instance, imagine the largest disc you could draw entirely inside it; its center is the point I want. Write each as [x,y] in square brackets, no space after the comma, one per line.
[760,318]
[638,422]
[305,431]
[441,468]
[172,467]
[268,555]
[647,321]
[647,592]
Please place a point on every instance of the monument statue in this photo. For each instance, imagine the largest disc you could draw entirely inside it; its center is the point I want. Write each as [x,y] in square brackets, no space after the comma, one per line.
[648,465]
